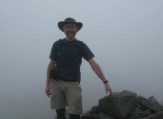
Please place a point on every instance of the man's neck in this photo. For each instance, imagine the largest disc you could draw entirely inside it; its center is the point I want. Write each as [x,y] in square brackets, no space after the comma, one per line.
[70,39]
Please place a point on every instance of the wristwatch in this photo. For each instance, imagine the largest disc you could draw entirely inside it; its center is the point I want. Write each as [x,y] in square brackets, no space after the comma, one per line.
[106,81]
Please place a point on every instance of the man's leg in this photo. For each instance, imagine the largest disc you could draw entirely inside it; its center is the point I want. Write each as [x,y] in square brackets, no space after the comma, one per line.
[74,116]
[58,99]
[74,99]
[61,113]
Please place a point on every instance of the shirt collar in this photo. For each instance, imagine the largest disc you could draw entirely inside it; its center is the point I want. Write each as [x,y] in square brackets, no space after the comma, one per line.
[69,40]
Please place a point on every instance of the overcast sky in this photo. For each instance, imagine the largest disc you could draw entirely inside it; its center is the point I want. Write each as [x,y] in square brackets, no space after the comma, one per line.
[126,37]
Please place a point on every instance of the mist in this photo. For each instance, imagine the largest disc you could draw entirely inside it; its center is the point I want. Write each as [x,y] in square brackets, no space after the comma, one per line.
[125,36]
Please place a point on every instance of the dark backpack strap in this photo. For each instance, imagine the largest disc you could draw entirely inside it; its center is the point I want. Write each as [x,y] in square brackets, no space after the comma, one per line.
[79,45]
[59,46]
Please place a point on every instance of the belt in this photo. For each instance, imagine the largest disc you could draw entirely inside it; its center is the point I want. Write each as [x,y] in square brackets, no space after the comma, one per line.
[67,79]
[56,76]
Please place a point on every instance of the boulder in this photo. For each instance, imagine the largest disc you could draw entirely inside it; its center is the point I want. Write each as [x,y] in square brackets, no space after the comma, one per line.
[91,115]
[120,106]
[150,103]
[96,109]
[101,115]
[125,105]
[139,113]
[158,115]
[87,115]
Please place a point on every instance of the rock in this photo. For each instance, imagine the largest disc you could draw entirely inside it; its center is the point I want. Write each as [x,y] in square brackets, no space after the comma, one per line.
[120,105]
[158,115]
[125,105]
[92,114]
[142,113]
[87,115]
[141,107]
[150,103]
[102,115]
[96,109]
[134,115]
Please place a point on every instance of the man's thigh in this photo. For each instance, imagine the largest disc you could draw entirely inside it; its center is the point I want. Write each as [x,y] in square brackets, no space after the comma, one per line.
[74,97]
[58,99]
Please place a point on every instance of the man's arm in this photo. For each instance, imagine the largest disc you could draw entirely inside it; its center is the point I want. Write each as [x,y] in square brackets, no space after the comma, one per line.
[96,68]
[47,86]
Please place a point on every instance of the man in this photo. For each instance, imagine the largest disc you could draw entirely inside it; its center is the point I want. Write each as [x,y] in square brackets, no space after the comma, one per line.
[65,60]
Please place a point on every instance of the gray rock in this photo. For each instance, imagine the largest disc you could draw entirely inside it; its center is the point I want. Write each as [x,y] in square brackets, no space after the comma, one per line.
[87,115]
[150,103]
[139,113]
[134,115]
[96,109]
[158,115]
[102,115]
[142,113]
[92,114]
[120,105]
[125,105]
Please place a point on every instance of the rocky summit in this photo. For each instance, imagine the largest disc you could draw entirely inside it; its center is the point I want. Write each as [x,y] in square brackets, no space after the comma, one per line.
[125,105]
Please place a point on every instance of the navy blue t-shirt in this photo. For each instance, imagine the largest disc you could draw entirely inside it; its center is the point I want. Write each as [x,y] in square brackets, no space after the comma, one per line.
[68,56]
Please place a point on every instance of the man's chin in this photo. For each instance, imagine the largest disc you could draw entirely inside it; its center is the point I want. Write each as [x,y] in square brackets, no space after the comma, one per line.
[70,36]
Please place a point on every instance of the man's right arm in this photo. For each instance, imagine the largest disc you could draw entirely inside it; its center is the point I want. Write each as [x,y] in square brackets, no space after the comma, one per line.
[47,86]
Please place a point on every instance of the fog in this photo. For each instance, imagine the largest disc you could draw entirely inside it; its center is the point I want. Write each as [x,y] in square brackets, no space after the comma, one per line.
[126,37]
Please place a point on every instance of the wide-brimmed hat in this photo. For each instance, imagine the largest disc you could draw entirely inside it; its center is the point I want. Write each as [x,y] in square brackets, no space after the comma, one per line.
[69,21]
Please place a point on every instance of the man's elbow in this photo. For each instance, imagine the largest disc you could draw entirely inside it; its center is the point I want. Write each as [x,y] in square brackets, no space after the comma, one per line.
[51,64]
[93,64]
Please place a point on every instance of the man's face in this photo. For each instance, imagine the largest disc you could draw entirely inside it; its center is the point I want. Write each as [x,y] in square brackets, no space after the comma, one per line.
[70,30]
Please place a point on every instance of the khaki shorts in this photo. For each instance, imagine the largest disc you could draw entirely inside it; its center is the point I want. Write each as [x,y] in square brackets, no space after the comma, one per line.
[66,94]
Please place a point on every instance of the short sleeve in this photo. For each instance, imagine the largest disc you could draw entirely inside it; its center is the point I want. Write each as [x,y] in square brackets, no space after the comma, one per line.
[53,53]
[86,52]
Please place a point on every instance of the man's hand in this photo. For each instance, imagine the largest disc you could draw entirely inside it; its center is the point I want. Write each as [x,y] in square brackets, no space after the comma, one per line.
[108,88]
[47,86]
[47,90]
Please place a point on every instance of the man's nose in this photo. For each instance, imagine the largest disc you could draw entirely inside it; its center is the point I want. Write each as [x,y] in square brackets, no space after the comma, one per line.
[70,30]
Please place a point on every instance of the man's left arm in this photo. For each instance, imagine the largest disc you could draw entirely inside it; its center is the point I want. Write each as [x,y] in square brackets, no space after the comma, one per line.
[96,68]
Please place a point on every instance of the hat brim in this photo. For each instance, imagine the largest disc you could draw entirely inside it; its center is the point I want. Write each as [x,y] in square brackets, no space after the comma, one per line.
[62,23]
